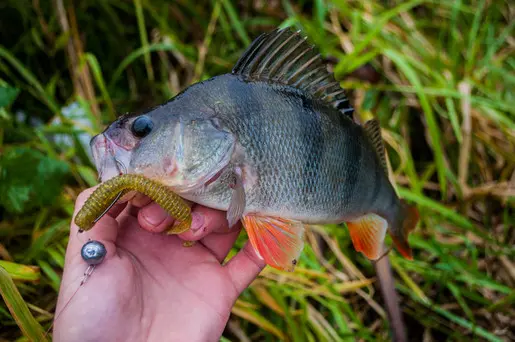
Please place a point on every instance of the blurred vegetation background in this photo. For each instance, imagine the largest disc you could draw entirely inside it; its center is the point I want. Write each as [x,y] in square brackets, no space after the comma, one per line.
[440,76]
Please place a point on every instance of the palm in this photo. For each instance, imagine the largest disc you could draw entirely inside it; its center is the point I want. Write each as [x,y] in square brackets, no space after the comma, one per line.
[150,287]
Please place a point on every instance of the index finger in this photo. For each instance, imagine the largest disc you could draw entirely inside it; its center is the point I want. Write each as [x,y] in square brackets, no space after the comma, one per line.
[205,221]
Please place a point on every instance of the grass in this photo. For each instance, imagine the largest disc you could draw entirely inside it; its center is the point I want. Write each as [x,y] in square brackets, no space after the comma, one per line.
[438,75]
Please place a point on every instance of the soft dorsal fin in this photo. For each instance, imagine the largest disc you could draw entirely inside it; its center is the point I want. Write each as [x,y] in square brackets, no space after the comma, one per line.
[285,57]
[373,130]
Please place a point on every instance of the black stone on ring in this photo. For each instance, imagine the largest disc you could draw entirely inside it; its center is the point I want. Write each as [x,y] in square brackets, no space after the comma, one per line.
[93,252]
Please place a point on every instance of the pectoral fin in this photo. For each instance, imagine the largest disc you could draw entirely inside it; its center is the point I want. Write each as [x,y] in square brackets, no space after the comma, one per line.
[278,241]
[367,234]
[237,204]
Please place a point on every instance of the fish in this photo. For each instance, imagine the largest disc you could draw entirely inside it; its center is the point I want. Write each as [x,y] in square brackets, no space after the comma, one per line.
[274,144]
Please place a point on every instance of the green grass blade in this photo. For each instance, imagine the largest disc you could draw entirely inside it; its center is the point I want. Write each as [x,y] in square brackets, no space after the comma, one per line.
[457,294]
[375,30]
[56,256]
[236,22]
[454,44]
[453,117]
[320,13]
[494,47]
[97,74]
[473,44]
[144,38]
[31,80]
[259,320]
[21,272]
[18,308]
[474,329]
[434,130]
[471,327]
[38,245]
[143,51]
[439,208]
[505,302]
[55,280]
[445,92]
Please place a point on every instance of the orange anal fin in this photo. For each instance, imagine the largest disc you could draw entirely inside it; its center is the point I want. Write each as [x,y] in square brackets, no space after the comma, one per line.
[278,241]
[367,234]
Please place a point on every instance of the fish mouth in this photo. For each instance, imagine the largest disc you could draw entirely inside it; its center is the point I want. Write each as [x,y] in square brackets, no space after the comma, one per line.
[110,159]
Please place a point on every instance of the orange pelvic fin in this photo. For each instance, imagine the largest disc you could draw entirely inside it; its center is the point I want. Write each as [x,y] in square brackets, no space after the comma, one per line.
[278,241]
[237,204]
[367,234]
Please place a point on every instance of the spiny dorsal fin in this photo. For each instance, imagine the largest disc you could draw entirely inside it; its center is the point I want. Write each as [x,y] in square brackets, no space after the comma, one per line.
[285,57]
[373,130]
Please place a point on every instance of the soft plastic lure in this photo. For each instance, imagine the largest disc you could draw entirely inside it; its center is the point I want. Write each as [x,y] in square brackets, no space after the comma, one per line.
[108,192]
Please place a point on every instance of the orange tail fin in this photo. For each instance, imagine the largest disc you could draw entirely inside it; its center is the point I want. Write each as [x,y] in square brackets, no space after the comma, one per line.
[406,223]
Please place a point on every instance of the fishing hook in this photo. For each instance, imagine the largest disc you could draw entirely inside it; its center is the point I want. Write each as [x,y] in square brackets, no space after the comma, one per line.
[120,164]
[109,207]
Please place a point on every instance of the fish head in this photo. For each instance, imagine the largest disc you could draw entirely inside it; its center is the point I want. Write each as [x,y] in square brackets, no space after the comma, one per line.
[182,152]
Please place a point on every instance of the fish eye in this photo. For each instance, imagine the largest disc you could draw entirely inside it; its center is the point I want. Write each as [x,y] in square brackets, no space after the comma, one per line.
[142,126]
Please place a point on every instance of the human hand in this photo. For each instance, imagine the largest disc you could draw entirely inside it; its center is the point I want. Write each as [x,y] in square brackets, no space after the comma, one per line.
[149,287]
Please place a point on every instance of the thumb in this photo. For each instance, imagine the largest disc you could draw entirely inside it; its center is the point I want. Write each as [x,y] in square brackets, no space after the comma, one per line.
[244,267]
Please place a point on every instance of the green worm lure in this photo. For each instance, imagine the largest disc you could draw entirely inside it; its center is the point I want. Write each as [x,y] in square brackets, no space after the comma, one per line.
[103,197]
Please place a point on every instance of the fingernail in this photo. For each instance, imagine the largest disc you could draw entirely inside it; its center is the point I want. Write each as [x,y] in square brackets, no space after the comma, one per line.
[155,215]
[197,221]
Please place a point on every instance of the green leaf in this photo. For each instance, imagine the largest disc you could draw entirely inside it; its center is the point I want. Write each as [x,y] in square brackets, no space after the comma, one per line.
[236,22]
[18,308]
[43,240]
[7,95]
[450,214]
[320,13]
[88,174]
[29,179]
[21,272]
[55,280]
[144,37]
[99,78]
[142,51]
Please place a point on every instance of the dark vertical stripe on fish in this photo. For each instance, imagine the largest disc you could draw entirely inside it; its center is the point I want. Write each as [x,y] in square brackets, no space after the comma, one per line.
[254,109]
[354,156]
[313,136]
[378,181]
